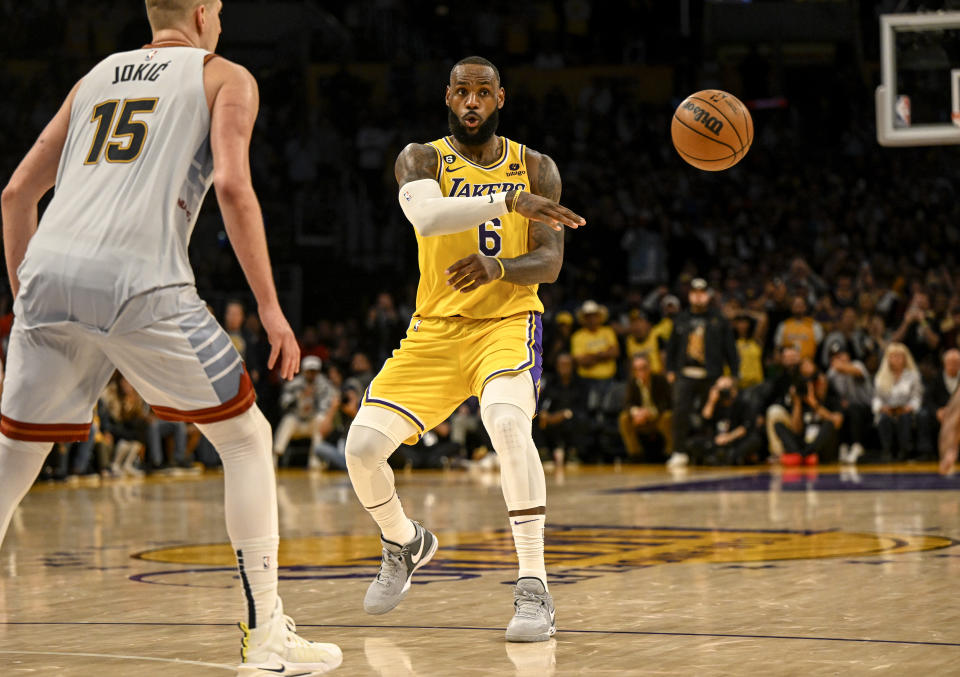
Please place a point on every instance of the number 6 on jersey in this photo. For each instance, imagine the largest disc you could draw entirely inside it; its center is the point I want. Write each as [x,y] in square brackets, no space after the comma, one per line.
[490,241]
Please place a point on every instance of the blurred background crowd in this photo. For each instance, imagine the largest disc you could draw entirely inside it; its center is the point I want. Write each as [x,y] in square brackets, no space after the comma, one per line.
[802,306]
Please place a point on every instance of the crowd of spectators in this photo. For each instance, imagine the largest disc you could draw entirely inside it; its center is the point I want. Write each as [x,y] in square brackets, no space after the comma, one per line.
[829,311]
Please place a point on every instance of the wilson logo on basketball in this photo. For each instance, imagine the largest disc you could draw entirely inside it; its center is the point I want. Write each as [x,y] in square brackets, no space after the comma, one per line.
[715,125]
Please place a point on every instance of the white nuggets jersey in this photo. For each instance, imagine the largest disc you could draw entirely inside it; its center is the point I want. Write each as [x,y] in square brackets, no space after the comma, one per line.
[133,173]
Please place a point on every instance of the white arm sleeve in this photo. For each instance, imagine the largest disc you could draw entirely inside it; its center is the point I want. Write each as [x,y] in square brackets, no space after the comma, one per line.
[431,213]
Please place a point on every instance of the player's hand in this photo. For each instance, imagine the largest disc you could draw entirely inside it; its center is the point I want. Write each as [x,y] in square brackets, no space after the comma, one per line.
[472,272]
[544,210]
[283,343]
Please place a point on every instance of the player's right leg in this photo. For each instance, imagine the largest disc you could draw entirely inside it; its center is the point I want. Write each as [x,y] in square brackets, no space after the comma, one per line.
[375,434]
[53,378]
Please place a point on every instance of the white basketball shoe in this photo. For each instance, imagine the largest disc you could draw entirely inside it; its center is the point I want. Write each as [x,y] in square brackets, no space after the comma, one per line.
[276,648]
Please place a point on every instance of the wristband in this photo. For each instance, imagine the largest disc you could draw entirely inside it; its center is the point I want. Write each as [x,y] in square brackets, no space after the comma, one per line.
[513,202]
[503,271]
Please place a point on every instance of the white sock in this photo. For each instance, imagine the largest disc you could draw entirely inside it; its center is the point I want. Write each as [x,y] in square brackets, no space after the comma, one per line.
[528,539]
[367,451]
[257,562]
[523,483]
[394,524]
[250,506]
[20,463]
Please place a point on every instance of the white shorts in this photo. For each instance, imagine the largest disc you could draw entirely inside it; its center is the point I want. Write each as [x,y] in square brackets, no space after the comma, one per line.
[165,342]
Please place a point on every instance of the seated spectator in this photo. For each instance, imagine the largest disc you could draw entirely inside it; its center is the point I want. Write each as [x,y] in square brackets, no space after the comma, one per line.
[646,422]
[731,434]
[849,336]
[851,381]
[811,433]
[750,328]
[434,450]
[897,396]
[124,418]
[361,372]
[309,403]
[642,341]
[563,412]
[594,346]
[799,330]
[935,398]
[918,331]
[159,430]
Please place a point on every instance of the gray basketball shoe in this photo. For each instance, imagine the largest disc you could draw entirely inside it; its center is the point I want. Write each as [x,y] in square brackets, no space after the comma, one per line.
[399,562]
[534,618]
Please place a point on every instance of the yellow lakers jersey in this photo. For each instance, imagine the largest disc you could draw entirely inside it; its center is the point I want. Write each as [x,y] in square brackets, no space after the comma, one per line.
[505,237]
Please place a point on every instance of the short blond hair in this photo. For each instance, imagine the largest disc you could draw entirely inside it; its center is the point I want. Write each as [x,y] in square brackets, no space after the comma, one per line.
[168,13]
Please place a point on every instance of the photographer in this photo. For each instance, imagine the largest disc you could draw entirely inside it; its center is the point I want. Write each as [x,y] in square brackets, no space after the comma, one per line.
[701,345]
[815,419]
[732,436]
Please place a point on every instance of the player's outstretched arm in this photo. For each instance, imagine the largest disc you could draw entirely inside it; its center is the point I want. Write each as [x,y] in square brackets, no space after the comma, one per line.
[950,434]
[543,262]
[432,213]
[35,175]
[232,116]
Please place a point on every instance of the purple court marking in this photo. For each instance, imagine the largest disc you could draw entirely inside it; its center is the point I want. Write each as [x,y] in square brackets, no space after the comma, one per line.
[652,633]
[800,481]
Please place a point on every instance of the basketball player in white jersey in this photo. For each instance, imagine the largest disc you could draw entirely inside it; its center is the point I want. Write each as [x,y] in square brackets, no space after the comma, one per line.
[104,283]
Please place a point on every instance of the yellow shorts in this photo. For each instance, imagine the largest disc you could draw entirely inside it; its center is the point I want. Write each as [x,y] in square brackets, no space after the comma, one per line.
[444,361]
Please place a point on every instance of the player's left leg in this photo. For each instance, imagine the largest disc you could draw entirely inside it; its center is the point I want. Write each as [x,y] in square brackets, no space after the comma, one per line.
[250,507]
[507,407]
[186,368]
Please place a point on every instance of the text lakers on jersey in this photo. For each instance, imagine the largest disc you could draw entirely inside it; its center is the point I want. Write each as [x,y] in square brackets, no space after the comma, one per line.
[506,237]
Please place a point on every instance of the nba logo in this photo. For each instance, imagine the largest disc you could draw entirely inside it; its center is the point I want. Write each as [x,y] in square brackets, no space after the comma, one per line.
[266,562]
[407,196]
[901,112]
[152,55]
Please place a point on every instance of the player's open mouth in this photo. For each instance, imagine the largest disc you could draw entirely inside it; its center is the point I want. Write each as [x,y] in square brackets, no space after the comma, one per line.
[471,121]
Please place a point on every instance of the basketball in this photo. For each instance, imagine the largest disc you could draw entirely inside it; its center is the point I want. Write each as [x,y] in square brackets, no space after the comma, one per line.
[712,130]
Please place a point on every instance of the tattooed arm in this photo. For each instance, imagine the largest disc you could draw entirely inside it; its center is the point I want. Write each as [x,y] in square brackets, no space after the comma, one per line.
[542,263]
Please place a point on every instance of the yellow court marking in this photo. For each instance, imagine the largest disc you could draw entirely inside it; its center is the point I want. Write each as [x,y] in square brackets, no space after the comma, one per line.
[580,547]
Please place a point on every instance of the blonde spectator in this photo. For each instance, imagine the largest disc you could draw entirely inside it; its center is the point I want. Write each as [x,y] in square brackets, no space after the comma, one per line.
[898,394]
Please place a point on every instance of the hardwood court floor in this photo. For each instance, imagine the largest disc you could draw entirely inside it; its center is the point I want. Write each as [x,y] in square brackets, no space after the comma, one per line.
[718,572]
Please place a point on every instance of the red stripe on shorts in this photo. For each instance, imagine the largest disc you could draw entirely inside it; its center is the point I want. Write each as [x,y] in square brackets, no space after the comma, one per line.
[44,432]
[235,406]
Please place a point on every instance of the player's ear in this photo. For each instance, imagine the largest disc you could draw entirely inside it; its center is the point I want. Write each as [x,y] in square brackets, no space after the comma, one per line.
[501,97]
[446,96]
[200,17]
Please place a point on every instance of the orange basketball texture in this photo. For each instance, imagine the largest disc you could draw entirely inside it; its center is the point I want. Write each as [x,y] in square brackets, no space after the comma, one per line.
[712,130]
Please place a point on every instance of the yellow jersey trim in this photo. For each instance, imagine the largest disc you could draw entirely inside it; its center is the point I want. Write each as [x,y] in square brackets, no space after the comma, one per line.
[496,163]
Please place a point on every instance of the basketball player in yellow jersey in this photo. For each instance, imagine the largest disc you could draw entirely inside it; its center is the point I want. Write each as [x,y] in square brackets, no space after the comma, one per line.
[489,230]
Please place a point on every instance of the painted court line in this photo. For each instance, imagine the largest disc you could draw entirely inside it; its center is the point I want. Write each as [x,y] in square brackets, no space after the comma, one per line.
[220,666]
[652,633]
